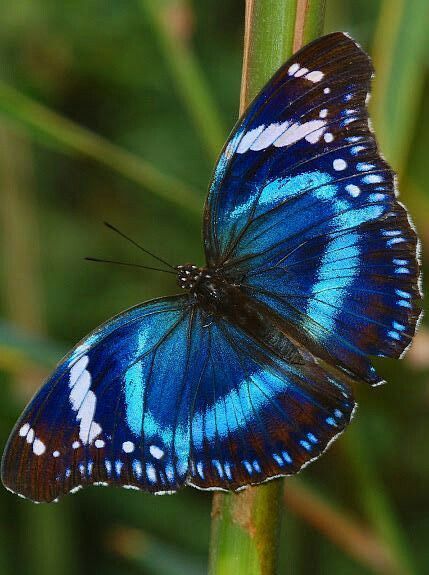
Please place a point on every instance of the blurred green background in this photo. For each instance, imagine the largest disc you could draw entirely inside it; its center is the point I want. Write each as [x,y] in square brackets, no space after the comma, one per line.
[156,87]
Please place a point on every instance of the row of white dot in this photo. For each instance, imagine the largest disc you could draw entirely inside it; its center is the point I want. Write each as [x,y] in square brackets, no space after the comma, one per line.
[39,447]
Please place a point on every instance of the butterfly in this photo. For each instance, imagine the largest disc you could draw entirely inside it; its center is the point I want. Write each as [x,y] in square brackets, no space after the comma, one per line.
[311,268]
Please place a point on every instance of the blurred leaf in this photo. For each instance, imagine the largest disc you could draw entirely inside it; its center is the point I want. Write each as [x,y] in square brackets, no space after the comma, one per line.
[375,498]
[69,137]
[348,534]
[154,555]
[400,57]
[185,70]
[18,348]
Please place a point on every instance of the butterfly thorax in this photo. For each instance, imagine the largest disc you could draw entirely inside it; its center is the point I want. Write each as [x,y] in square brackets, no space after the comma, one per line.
[190,275]
[214,293]
[220,298]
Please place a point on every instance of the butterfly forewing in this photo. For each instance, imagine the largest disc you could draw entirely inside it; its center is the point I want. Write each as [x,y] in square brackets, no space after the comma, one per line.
[302,213]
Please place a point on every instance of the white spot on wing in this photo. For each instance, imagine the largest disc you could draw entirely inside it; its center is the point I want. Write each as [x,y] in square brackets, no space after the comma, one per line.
[38,447]
[128,446]
[353,190]
[339,164]
[99,443]
[269,135]
[156,451]
[292,69]
[24,430]
[30,435]
[315,76]
[248,139]
[298,132]
[83,400]
[151,473]
[301,72]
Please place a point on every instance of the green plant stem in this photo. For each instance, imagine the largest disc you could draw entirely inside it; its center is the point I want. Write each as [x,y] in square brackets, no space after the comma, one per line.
[186,73]
[69,137]
[245,526]
[245,529]
[274,30]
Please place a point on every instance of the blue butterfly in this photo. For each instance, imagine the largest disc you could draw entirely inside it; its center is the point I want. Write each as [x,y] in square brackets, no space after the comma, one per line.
[311,269]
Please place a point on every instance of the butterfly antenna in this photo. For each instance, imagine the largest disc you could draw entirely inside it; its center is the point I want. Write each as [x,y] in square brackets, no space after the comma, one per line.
[138,245]
[98,260]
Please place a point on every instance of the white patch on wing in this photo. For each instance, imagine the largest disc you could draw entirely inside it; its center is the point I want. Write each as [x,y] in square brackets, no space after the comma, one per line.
[301,72]
[248,139]
[315,136]
[78,368]
[38,447]
[269,135]
[339,164]
[80,389]
[294,68]
[297,132]
[83,400]
[24,430]
[156,451]
[128,446]
[313,76]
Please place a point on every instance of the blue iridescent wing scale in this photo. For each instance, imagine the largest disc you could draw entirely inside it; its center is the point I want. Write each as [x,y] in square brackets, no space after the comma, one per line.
[302,213]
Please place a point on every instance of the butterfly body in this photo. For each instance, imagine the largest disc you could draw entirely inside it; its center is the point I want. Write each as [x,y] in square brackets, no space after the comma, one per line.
[311,270]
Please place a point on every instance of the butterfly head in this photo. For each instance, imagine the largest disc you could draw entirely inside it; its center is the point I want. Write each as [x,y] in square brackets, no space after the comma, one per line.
[189,276]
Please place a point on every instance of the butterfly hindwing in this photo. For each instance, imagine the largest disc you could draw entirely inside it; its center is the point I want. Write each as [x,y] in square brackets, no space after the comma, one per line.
[302,212]
[257,416]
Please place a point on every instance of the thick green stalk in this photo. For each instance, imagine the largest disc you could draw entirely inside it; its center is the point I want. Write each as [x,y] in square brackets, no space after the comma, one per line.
[245,529]
[245,526]
[186,73]
[38,120]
